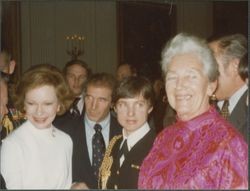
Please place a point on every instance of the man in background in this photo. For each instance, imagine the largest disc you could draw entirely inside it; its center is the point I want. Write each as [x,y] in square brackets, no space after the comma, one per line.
[93,131]
[124,71]
[232,91]
[76,73]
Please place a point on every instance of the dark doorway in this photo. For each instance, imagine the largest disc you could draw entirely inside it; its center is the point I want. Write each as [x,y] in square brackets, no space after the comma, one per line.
[143,29]
[230,17]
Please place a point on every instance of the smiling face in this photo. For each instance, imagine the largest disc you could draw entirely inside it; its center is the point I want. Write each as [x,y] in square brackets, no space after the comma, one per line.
[41,105]
[187,86]
[132,113]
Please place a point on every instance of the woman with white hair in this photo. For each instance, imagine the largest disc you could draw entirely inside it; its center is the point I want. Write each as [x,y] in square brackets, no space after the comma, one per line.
[201,150]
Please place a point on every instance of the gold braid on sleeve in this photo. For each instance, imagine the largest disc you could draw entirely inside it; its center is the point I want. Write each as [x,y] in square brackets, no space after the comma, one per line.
[104,171]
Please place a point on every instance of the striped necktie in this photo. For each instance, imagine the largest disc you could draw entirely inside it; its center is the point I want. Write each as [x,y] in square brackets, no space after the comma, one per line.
[224,110]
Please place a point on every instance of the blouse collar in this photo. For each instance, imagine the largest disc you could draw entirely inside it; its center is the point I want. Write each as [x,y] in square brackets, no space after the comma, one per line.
[200,120]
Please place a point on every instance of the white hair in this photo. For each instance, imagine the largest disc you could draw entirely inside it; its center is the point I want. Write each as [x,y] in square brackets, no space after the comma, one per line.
[184,43]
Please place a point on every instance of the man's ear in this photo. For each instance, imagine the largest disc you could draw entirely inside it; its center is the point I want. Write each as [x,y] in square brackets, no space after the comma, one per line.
[234,63]
[12,66]
[115,109]
[58,108]
[212,87]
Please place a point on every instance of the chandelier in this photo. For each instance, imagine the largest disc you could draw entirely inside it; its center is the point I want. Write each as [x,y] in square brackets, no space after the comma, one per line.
[75,46]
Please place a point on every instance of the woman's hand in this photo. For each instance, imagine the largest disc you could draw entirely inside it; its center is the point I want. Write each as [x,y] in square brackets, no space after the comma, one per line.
[79,186]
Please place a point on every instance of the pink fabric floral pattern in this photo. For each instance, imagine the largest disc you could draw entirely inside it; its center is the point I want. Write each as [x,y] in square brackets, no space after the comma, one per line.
[203,153]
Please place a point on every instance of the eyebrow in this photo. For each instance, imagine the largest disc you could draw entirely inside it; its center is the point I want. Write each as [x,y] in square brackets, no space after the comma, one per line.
[189,70]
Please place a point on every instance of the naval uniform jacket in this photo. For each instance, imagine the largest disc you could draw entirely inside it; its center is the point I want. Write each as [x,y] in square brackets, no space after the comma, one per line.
[112,176]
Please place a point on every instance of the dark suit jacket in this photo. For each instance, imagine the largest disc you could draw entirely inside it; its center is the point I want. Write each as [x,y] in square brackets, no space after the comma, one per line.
[126,176]
[67,122]
[239,115]
[2,182]
[81,166]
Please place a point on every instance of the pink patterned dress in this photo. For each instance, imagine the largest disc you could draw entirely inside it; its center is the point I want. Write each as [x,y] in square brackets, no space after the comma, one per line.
[203,153]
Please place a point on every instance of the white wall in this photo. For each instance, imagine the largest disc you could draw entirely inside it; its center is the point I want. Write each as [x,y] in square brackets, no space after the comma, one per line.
[45,24]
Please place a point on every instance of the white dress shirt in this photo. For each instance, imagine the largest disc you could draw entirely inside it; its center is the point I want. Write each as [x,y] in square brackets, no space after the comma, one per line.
[233,100]
[90,131]
[134,137]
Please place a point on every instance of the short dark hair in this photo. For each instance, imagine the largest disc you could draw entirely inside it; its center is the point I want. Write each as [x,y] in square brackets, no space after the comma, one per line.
[101,80]
[77,62]
[135,86]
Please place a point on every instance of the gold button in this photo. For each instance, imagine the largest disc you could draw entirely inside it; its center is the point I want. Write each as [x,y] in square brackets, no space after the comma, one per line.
[117,172]
[135,166]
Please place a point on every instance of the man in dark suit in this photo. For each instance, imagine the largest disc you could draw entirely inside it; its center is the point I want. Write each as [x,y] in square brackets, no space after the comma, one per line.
[98,102]
[76,72]
[123,158]
[232,91]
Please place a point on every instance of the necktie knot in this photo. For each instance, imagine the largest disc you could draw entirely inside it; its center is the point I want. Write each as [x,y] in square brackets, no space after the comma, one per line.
[98,128]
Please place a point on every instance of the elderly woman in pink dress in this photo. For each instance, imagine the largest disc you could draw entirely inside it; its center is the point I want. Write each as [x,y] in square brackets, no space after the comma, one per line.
[201,150]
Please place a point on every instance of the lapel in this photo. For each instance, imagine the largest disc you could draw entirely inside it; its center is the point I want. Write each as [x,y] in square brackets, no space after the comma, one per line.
[81,144]
[141,148]
[238,117]
[115,154]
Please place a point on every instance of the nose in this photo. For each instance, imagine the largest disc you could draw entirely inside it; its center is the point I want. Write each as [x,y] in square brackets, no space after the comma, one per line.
[76,81]
[131,110]
[39,110]
[94,103]
[180,83]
